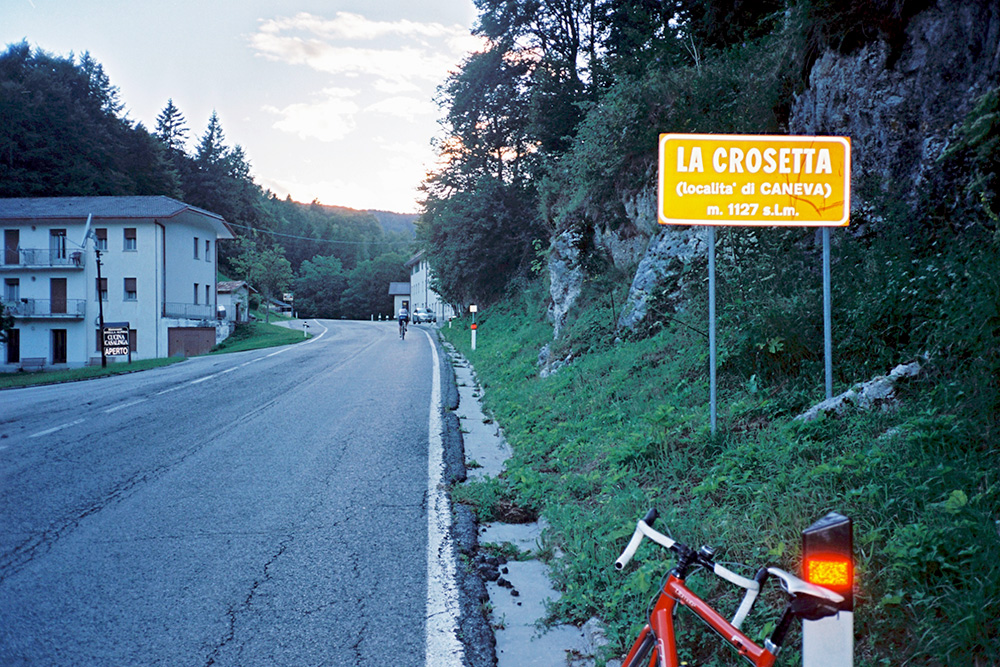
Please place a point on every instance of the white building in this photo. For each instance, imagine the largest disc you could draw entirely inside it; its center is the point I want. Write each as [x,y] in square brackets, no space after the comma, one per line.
[234,297]
[422,295]
[158,273]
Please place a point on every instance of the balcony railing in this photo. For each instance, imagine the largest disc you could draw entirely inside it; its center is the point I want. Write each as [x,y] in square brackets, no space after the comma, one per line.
[34,258]
[47,308]
[189,311]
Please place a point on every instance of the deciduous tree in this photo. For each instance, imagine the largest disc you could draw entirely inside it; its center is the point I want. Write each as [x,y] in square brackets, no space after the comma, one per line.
[264,267]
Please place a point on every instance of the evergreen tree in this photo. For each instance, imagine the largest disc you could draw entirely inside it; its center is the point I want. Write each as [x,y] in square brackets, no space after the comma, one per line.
[61,133]
[171,127]
[212,148]
[99,86]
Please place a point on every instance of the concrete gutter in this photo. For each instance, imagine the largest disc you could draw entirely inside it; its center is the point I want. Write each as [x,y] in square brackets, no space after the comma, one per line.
[515,591]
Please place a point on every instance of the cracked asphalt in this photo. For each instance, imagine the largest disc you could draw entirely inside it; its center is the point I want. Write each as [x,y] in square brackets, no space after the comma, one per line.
[259,508]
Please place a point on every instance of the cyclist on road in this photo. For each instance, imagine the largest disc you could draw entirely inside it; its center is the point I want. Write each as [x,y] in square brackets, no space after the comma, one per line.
[404,317]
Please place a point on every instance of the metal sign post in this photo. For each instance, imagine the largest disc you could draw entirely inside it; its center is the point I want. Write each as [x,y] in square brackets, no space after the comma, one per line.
[827,321]
[756,181]
[100,308]
[713,389]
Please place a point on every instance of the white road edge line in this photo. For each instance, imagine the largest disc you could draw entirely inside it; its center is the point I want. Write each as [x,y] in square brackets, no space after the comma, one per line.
[124,405]
[443,647]
[56,428]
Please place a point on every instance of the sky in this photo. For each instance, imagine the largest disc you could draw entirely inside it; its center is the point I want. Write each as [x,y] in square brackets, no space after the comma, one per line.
[331,100]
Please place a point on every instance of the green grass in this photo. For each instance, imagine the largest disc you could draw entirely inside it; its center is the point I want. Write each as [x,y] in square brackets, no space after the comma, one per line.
[624,427]
[22,379]
[256,335]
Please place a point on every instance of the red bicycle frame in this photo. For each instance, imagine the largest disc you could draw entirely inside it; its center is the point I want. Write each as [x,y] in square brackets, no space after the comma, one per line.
[661,629]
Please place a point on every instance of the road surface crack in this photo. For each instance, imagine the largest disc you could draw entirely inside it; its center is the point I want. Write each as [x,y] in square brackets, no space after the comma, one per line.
[236,610]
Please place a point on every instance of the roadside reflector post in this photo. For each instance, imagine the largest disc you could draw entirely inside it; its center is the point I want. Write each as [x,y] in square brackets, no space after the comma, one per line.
[473,309]
[828,561]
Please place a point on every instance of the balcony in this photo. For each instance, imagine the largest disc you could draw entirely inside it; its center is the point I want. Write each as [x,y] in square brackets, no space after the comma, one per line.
[48,309]
[41,258]
[188,311]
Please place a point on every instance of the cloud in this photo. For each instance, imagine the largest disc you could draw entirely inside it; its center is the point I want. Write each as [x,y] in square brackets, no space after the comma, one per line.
[396,65]
[354,26]
[408,108]
[329,119]
[398,53]
[379,80]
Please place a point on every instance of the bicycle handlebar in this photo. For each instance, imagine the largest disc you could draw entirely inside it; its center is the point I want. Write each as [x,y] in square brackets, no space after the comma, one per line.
[644,529]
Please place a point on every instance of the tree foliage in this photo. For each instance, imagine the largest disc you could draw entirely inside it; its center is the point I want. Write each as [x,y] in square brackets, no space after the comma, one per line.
[263,266]
[61,132]
[319,286]
[367,291]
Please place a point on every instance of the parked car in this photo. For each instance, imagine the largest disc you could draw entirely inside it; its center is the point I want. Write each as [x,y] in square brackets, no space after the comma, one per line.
[423,315]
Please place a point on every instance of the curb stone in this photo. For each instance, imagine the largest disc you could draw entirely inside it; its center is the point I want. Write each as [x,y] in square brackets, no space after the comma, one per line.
[510,595]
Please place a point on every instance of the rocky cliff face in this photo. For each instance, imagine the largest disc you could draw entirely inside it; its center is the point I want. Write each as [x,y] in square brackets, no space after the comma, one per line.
[565,276]
[901,116]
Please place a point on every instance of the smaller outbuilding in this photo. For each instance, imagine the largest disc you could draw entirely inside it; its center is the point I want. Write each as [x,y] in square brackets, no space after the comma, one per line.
[400,293]
[234,300]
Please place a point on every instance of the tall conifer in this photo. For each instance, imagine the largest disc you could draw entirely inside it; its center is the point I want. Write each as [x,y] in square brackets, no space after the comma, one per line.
[171,127]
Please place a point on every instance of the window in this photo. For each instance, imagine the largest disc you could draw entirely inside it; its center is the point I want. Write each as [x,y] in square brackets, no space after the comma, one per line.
[130,242]
[208,300]
[102,289]
[11,246]
[11,289]
[57,243]
[130,291]
[208,250]
[196,294]
[101,239]
[196,247]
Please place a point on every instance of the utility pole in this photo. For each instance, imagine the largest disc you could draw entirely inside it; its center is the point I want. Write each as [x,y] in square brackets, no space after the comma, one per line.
[100,310]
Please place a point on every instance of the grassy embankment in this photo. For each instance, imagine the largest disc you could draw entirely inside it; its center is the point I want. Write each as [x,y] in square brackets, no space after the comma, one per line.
[249,336]
[625,426]
[256,335]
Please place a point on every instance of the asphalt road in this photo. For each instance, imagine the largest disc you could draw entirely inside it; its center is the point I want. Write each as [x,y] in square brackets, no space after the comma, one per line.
[258,508]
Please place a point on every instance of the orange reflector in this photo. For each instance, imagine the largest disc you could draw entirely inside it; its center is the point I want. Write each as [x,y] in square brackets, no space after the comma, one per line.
[830,572]
[473,326]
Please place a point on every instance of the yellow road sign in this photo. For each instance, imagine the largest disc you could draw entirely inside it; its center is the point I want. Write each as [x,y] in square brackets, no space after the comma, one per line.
[754,180]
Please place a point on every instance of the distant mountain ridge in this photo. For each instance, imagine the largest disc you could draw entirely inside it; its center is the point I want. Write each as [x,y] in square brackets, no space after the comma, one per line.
[390,222]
